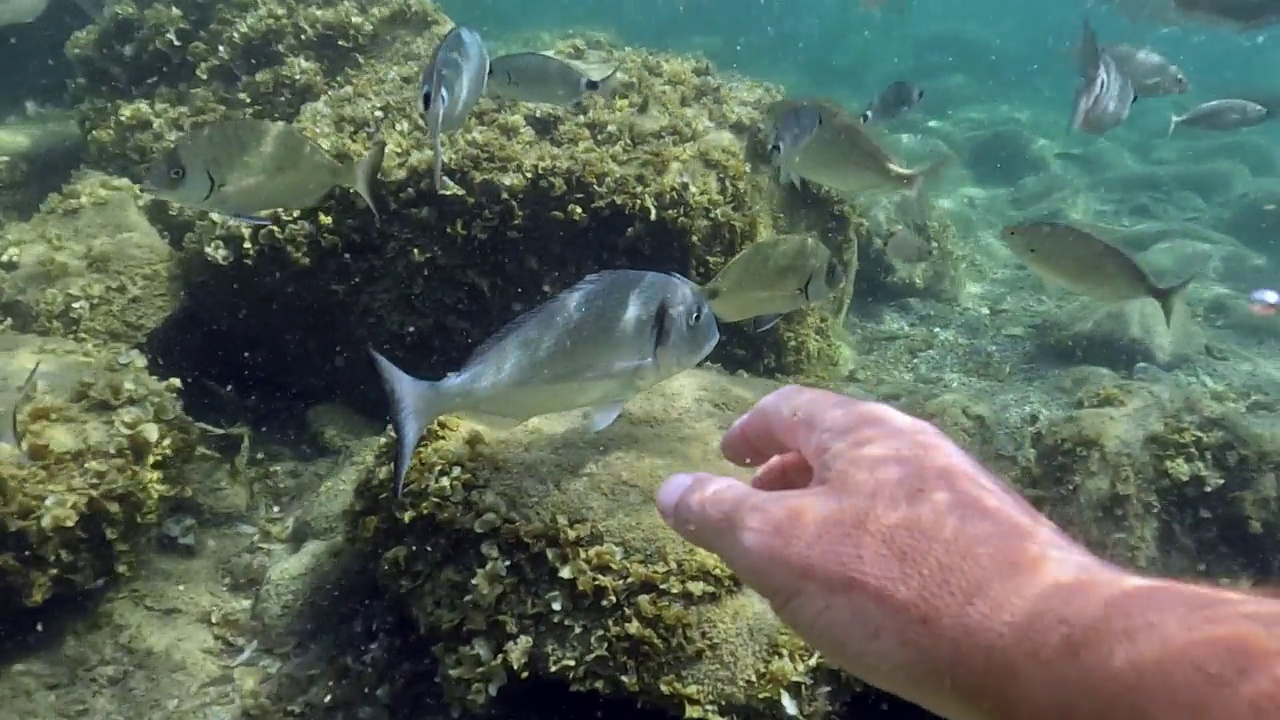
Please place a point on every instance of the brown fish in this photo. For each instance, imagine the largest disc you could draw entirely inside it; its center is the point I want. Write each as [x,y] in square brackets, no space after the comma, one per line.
[820,141]
[1088,265]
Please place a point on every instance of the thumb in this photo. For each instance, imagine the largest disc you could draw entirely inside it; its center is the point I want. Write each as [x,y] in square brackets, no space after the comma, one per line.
[709,511]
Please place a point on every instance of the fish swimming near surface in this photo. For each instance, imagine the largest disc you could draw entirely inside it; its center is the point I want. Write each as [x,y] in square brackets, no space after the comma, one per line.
[1221,115]
[535,77]
[452,82]
[825,144]
[245,167]
[1084,263]
[773,277]
[1102,103]
[595,345]
[897,98]
[1152,74]
[1239,15]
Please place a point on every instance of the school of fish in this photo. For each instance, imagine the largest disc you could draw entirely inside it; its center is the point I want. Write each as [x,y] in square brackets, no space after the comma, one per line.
[619,331]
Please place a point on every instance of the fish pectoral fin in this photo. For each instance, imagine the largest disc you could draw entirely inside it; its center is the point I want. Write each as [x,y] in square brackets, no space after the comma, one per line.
[603,416]
[760,323]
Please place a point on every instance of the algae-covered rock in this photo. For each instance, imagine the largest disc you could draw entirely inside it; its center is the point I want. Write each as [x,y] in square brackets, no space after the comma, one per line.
[150,66]
[665,173]
[89,266]
[103,444]
[538,553]
[1162,478]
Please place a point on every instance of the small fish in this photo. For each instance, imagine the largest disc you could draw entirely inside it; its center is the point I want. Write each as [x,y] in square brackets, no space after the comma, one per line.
[535,77]
[1104,100]
[773,277]
[906,247]
[899,97]
[12,435]
[452,82]
[1152,74]
[245,167]
[595,345]
[823,143]
[1221,115]
[1088,265]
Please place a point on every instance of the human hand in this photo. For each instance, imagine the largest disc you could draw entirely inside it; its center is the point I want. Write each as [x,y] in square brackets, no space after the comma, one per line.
[881,543]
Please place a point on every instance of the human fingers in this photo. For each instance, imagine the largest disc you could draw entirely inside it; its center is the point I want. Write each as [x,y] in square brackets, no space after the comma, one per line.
[783,472]
[709,511]
[793,418]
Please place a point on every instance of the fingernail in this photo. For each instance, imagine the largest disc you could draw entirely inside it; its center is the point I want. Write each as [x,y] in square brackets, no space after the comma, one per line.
[669,494]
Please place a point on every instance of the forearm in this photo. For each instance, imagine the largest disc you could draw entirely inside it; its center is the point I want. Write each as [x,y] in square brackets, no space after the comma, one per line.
[1120,647]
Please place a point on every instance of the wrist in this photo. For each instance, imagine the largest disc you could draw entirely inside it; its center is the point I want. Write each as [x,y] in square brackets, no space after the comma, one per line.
[1113,644]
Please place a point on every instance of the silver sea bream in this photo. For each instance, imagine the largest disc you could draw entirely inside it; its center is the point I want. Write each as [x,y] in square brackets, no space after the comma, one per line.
[452,82]
[1103,101]
[535,77]
[247,166]
[595,345]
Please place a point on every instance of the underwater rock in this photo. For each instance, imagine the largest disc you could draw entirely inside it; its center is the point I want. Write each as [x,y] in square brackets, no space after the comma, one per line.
[104,449]
[295,583]
[1003,156]
[89,266]
[666,173]
[151,66]
[1166,479]
[537,553]
[1119,335]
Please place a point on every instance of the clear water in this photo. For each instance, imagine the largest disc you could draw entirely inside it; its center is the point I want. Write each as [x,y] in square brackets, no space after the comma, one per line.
[180,639]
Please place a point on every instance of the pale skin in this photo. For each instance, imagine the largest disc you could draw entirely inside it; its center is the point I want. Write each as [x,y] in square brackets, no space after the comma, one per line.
[915,569]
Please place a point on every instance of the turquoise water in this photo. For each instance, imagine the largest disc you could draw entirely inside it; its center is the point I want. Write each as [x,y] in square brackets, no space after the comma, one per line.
[285,420]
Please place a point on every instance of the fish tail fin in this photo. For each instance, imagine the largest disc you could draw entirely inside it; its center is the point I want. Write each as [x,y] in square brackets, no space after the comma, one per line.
[1168,297]
[415,404]
[365,174]
[1173,125]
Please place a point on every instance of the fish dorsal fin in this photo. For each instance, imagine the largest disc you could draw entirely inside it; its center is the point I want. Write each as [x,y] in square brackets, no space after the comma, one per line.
[581,287]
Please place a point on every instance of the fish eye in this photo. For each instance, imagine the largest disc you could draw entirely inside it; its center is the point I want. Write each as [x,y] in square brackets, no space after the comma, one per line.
[695,317]
[864,117]
[177,173]
[1010,232]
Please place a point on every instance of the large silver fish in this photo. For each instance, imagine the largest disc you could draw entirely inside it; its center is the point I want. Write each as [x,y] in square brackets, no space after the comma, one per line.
[536,77]
[452,82]
[1102,103]
[247,166]
[595,345]
[773,277]
[823,143]
[1152,74]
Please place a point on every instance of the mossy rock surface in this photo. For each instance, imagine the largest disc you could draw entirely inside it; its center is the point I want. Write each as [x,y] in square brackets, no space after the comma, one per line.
[104,444]
[149,66]
[538,553]
[88,266]
[1162,478]
[664,174]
